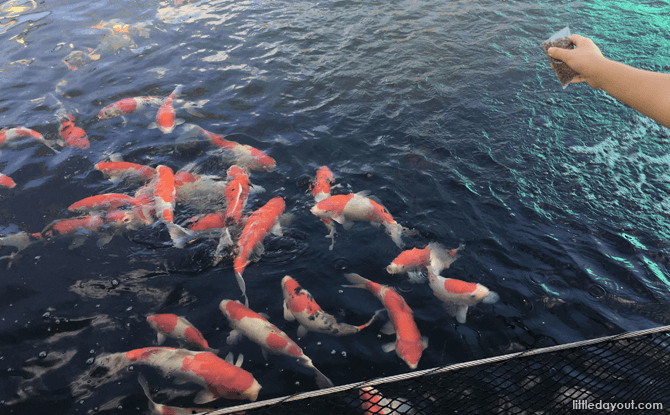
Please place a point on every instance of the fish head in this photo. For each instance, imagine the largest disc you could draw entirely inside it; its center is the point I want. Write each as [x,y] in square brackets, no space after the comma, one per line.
[409,352]
[235,170]
[109,112]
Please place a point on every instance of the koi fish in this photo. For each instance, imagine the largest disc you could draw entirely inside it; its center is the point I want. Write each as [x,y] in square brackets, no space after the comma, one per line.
[160,409]
[243,154]
[215,220]
[164,192]
[80,227]
[171,325]
[237,193]
[20,241]
[345,209]
[409,344]
[321,185]
[300,305]
[262,221]
[219,378]
[6,181]
[165,118]
[434,257]
[127,106]
[202,192]
[118,170]
[259,330]
[374,403]
[107,201]
[12,134]
[72,135]
[459,295]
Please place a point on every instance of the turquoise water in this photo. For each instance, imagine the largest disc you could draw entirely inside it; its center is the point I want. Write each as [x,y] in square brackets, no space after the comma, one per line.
[447,113]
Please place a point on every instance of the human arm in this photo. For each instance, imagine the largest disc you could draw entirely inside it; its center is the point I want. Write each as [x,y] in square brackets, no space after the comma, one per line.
[645,91]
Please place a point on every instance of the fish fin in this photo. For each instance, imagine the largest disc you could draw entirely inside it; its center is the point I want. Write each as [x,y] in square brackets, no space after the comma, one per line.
[388,347]
[441,258]
[152,126]
[180,381]
[145,387]
[104,239]
[424,342]
[288,316]
[345,223]
[229,358]
[224,241]
[302,331]
[243,288]
[178,234]
[240,360]
[264,315]
[256,254]
[276,229]
[234,337]
[190,131]
[77,241]
[372,320]
[204,396]
[193,112]
[356,280]
[264,353]
[322,380]
[178,121]
[417,277]
[461,313]
[209,349]
[388,328]
[395,232]
[160,338]
[491,297]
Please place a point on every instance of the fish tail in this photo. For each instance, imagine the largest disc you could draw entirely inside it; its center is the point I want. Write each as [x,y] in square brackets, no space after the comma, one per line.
[322,381]
[240,282]
[395,231]
[178,234]
[177,92]
[145,387]
[356,280]
[372,320]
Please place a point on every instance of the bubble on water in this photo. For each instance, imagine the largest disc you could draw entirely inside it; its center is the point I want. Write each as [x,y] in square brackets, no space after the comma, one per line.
[333,352]
[42,354]
[90,361]
[115,283]
[131,368]
[46,315]
[341,264]
[92,351]
[344,354]
[97,306]
[318,343]
[57,321]
[129,308]
[297,383]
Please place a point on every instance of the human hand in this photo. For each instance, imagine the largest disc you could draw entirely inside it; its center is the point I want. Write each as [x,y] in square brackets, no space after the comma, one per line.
[586,59]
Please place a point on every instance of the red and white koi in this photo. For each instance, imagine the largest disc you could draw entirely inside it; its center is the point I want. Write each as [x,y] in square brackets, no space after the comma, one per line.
[374,403]
[262,221]
[127,106]
[107,201]
[72,135]
[118,170]
[72,225]
[300,305]
[459,295]
[244,155]
[321,185]
[166,119]
[219,378]
[160,409]
[409,344]
[259,330]
[345,209]
[171,325]
[6,181]
[164,192]
[237,193]
[434,257]
[18,133]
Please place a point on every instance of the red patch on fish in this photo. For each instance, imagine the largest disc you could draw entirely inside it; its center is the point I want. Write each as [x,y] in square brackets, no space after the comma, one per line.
[335,204]
[211,221]
[275,341]
[164,192]
[258,225]
[67,226]
[194,336]
[237,311]
[6,181]
[459,287]
[106,202]
[139,355]
[324,177]
[414,257]
[165,322]
[73,135]
[116,168]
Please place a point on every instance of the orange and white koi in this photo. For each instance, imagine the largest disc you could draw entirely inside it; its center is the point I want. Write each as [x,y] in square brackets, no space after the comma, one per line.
[244,155]
[300,305]
[129,105]
[107,201]
[160,409]
[259,330]
[321,185]
[12,134]
[409,344]
[72,135]
[374,403]
[171,325]
[164,192]
[434,257]
[118,170]
[210,221]
[72,225]
[459,295]
[345,209]
[6,181]
[219,378]
[166,119]
[262,221]
[236,193]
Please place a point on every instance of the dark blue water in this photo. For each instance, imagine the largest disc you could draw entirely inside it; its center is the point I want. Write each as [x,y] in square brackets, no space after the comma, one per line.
[446,112]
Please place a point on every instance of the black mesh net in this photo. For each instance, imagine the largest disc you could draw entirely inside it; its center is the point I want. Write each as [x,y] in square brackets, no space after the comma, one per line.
[627,374]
